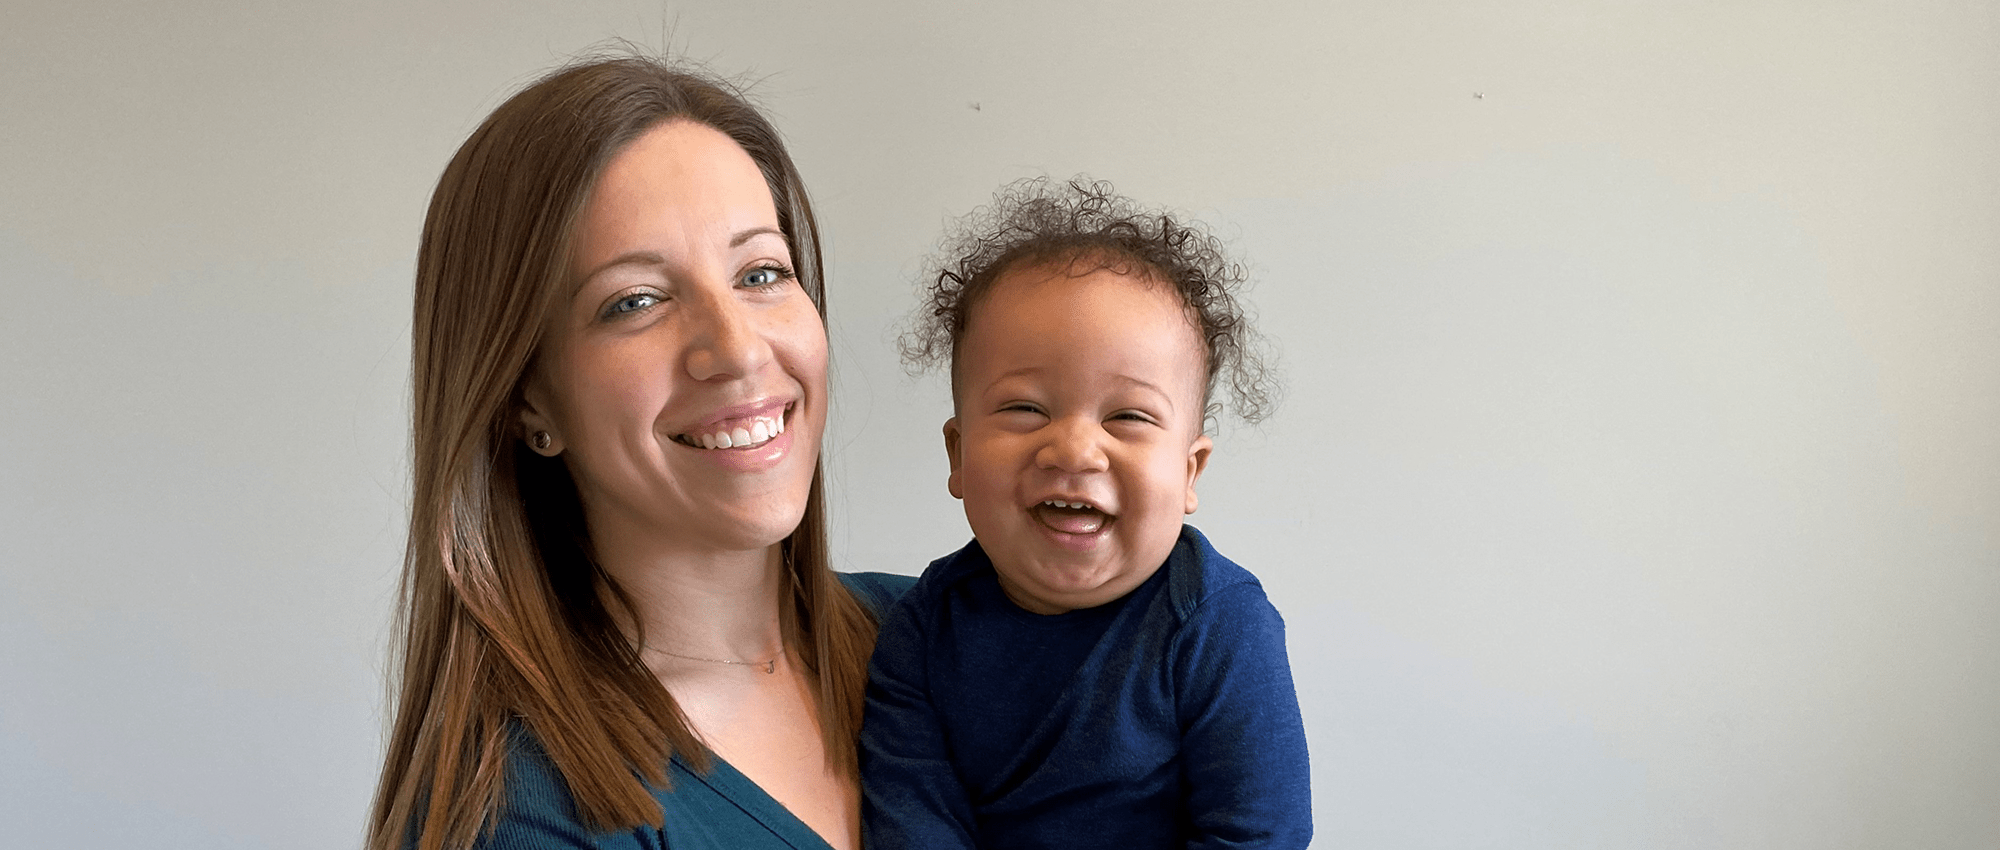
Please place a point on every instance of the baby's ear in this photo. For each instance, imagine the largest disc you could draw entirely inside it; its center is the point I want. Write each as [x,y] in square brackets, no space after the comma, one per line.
[951,451]
[1198,452]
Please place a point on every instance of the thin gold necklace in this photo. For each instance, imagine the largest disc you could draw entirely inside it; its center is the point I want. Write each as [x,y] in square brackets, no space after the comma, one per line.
[770,666]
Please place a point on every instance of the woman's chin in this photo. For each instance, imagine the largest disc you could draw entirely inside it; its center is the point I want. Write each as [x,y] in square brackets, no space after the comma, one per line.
[750,527]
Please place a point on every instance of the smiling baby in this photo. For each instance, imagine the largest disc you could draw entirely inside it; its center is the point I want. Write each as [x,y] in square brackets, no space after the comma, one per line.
[1089,671]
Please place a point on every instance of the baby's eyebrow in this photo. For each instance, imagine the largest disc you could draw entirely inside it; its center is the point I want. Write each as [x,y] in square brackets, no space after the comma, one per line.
[1166,398]
[1023,372]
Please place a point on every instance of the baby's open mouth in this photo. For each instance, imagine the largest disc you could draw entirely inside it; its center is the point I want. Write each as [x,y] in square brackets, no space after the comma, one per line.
[1071,517]
[738,433]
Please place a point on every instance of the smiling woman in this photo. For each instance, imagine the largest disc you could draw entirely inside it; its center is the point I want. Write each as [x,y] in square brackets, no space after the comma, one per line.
[620,626]
[687,330]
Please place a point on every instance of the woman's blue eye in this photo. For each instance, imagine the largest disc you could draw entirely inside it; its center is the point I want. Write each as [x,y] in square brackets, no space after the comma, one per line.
[764,276]
[633,303]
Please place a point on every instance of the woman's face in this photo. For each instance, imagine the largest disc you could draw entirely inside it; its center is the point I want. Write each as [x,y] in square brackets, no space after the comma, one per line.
[684,382]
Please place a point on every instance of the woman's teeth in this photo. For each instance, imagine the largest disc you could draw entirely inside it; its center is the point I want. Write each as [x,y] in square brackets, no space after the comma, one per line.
[759,431]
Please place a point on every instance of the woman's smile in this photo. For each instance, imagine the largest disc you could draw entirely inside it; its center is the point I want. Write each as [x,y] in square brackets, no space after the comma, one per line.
[739,443]
[738,430]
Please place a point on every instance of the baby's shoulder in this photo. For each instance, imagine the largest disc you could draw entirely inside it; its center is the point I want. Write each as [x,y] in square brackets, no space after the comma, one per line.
[877,591]
[937,579]
[1204,585]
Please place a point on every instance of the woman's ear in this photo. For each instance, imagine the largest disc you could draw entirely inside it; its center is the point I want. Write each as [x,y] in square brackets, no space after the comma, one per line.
[951,451]
[537,429]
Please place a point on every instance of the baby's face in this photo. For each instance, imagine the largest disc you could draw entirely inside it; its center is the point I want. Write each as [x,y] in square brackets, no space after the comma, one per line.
[1078,436]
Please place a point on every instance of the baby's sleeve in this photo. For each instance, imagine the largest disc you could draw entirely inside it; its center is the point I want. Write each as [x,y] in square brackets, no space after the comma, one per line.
[910,794]
[1244,742]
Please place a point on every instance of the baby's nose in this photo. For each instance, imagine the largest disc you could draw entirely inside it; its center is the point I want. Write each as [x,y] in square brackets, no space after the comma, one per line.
[1074,446]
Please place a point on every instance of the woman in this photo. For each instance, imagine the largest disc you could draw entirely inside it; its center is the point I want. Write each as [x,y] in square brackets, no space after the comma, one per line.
[621,629]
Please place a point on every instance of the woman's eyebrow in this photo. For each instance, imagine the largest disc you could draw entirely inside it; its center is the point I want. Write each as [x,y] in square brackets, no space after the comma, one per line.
[653,258]
[754,232]
[631,258]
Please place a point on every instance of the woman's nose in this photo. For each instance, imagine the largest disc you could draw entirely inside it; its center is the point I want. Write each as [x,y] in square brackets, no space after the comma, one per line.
[1074,445]
[726,340]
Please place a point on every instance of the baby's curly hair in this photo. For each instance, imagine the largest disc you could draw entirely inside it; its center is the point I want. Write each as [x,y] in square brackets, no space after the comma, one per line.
[1038,221]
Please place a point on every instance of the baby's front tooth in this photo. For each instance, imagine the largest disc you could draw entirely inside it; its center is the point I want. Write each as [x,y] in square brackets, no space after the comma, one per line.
[759,432]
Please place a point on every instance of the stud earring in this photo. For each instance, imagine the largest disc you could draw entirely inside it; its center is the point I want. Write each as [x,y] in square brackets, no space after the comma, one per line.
[543,441]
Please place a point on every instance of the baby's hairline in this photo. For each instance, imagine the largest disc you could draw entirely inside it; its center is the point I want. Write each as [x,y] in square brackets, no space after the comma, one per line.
[1083,224]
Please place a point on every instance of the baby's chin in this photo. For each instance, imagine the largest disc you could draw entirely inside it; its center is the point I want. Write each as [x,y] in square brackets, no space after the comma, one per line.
[1054,591]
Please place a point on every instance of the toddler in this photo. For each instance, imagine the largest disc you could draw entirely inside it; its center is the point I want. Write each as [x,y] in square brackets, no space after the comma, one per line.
[1088,671]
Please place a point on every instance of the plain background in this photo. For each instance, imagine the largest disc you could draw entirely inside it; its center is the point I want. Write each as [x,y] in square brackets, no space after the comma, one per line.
[1638,484]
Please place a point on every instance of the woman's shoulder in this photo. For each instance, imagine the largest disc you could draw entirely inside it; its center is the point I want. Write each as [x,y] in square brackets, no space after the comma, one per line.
[877,591]
[537,809]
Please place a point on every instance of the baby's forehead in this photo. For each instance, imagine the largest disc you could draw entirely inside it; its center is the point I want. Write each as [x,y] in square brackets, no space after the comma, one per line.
[1045,287]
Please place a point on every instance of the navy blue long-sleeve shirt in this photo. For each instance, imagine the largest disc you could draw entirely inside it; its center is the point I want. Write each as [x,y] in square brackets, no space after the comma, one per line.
[1163,719]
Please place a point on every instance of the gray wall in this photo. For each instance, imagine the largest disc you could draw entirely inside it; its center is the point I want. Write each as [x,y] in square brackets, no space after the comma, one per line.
[1638,487]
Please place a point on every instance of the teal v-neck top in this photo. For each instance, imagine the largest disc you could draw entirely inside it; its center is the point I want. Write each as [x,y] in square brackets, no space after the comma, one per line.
[718,810]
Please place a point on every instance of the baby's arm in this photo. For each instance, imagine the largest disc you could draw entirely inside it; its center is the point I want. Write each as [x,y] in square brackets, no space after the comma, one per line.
[1244,743]
[910,794]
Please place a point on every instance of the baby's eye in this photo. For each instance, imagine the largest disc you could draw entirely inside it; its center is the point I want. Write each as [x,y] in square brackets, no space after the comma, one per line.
[763,277]
[1131,416]
[630,304]
[1020,407]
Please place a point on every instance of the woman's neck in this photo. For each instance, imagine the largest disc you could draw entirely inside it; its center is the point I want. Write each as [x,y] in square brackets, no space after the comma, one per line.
[708,604]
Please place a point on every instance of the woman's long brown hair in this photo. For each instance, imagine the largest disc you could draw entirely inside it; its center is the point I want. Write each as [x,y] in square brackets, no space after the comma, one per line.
[503,620]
